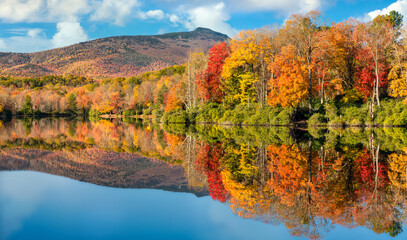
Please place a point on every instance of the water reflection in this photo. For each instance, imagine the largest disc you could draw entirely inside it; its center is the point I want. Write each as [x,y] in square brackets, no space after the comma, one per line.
[310,181]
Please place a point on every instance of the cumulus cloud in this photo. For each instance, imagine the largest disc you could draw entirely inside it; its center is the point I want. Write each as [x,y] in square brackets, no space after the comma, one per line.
[65,14]
[61,10]
[212,16]
[114,10]
[69,32]
[399,6]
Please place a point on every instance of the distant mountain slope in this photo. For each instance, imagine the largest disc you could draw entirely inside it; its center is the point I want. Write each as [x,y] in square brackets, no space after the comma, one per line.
[121,56]
[105,168]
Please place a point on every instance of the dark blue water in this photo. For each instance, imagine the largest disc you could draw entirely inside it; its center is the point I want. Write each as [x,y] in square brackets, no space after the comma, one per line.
[42,206]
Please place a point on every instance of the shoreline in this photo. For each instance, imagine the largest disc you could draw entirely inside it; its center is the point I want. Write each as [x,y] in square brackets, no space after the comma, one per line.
[298,125]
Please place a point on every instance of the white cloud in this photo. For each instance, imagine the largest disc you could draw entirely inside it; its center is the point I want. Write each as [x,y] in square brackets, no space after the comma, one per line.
[155,14]
[212,16]
[278,6]
[399,6]
[63,9]
[174,19]
[31,40]
[160,15]
[152,14]
[33,33]
[41,10]
[114,10]
[69,32]
[20,10]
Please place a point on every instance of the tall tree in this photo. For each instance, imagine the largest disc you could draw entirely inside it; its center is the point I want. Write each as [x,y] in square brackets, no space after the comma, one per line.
[290,79]
[28,105]
[173,98]
[301,31]
[375,38]
[398,72]
[245,70]
[196,64]
[395,19]
[211,82]
[340,50]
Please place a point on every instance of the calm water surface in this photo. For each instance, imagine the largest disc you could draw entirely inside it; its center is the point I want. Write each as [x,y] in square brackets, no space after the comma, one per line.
[63,179]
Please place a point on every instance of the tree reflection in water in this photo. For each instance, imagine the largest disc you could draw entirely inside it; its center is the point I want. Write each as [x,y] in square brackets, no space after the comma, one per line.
[308,180]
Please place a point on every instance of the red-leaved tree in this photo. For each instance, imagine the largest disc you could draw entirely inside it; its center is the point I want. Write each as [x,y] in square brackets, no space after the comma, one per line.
[211,81]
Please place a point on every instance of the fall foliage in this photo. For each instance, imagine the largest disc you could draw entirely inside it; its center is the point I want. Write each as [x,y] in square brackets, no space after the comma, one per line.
[258,172]
[266,76]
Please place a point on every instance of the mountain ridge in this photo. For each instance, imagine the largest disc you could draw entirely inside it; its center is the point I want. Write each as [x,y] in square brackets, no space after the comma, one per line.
[103,168]
[117,56]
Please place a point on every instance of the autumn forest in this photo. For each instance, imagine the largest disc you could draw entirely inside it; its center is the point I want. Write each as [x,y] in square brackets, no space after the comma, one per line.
[348,73]
[302,124]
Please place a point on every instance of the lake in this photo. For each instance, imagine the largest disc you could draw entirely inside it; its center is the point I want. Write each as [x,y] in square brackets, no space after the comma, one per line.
[124,179]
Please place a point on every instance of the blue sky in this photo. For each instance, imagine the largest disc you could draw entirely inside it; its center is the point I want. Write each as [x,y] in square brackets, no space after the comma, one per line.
[34,25]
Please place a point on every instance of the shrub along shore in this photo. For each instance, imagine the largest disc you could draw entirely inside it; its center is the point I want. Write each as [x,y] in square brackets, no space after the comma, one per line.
[389,114]
[337,113]
[333,114]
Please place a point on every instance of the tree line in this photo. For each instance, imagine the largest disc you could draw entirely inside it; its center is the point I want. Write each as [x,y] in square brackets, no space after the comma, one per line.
[303,69]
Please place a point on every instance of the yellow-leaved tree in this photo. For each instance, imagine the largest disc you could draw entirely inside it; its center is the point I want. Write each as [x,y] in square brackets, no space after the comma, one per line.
[398,81]
[244,74]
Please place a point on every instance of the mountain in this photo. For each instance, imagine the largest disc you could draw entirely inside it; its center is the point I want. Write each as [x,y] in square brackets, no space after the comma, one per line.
[121,56]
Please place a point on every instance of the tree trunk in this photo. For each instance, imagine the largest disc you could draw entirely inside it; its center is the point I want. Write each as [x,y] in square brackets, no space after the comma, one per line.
[310,143]
[323,89]
[376,82]
[310,91]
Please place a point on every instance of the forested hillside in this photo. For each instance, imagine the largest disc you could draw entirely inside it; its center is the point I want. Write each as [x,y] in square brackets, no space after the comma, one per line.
[121,56]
